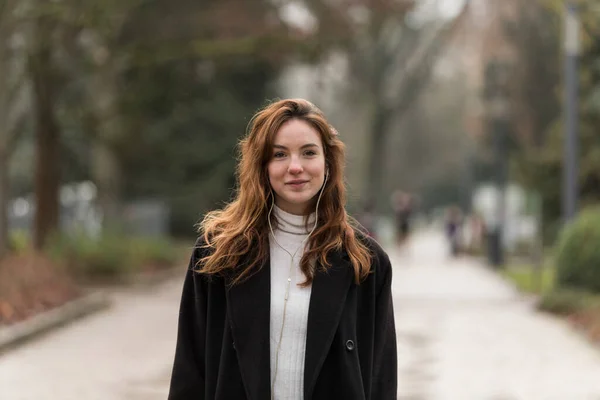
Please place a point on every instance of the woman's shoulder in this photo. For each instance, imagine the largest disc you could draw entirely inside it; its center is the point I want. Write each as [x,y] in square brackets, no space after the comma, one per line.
[200,251]
[381,266]
[371,244]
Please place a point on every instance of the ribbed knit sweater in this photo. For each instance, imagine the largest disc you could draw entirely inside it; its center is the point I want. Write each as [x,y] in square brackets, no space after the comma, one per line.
[289,232]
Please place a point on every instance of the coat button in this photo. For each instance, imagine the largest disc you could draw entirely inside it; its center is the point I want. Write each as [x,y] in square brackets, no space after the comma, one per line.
[233,345]
[349,345]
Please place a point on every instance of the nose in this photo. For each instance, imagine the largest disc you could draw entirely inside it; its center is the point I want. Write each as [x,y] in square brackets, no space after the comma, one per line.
[295,166]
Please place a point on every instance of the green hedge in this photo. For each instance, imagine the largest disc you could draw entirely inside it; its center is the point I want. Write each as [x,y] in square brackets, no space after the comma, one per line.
[578,252]
[113,256]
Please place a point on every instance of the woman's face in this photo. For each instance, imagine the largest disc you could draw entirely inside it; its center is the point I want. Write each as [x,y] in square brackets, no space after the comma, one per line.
[297,166]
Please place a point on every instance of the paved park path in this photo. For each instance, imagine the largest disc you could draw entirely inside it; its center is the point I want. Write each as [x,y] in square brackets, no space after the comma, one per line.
[463,334]
[123,353]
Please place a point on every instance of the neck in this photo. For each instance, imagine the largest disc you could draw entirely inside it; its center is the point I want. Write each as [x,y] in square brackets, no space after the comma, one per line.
[291,223]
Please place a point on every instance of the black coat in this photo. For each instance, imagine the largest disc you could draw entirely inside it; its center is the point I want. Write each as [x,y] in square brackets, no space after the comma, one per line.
[223,336]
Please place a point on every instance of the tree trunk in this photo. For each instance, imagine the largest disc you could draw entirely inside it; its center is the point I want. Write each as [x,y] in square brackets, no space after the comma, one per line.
[377,153]
[4,200]
[416,72]
[105,169]
[47,170]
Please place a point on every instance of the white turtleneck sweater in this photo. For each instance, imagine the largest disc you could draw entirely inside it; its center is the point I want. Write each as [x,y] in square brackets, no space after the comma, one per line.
[289,232]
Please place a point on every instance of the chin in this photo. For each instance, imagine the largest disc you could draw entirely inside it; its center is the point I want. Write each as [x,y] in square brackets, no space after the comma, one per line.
[298,202]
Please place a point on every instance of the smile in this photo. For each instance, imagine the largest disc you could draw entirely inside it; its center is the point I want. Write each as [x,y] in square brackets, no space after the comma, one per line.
[296,184]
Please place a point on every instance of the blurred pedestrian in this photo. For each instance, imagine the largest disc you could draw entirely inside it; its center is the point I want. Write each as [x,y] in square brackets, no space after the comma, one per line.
[402,204]
[283,298]
[478,233]
[454,229]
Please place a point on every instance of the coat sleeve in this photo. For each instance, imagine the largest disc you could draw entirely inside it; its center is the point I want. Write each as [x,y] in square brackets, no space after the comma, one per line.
[188,376]
[385,363]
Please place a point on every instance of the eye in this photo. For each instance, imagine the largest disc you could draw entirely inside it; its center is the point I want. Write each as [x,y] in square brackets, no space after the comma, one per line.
[310,153]
[279,154]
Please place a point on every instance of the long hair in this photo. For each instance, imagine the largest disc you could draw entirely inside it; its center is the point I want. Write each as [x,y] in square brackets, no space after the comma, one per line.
[237,235]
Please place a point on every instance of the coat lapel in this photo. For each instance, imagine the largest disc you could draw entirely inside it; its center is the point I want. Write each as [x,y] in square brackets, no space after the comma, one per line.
[249,307]
[326,305]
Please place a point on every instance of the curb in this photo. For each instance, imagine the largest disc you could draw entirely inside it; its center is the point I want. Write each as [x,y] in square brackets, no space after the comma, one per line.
[135,282]
[14,335]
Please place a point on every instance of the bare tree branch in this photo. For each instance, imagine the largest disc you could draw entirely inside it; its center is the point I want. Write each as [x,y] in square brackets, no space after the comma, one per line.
[391,100]
[420,65]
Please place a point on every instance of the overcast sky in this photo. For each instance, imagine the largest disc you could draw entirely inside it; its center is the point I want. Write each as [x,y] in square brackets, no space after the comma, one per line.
[294,13]
[444,8]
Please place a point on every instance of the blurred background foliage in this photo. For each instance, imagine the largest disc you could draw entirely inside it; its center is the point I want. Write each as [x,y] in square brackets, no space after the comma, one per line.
[119,121]
[148,98]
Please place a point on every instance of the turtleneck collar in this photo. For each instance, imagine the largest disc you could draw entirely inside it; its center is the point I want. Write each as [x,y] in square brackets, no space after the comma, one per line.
[290,223]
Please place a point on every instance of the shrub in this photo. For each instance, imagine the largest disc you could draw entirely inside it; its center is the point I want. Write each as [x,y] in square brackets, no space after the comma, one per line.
[578,252]
[105,257]
[112,256]
[152,252]
[564,301]
[19,241]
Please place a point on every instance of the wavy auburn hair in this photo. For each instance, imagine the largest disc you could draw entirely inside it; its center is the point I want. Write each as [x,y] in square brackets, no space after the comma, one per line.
[237,236]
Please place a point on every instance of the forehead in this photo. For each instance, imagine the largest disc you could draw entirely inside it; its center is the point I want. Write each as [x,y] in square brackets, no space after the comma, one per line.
[297,132]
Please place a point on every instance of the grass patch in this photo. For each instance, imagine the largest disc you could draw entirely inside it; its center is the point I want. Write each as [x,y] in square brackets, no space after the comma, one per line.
[581,308]
[529,280]
[566,301]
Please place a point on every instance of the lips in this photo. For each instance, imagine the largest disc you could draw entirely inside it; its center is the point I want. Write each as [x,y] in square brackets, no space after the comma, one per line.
[296,182]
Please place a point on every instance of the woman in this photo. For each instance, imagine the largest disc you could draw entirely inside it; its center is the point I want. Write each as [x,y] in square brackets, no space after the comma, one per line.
[283,299]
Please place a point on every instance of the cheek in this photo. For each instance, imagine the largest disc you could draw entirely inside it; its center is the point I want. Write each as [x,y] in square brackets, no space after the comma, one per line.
[273,172]
[318,169]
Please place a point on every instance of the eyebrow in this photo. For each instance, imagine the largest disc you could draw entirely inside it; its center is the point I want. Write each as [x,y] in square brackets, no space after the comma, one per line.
[279,146]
